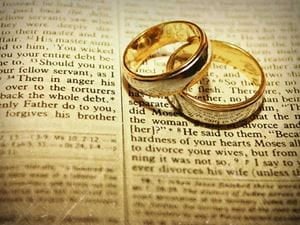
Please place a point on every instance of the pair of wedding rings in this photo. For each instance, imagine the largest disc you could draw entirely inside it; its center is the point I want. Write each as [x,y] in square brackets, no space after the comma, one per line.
[186,66]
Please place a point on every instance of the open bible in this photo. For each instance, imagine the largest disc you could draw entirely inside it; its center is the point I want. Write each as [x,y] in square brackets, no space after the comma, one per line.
[79,146]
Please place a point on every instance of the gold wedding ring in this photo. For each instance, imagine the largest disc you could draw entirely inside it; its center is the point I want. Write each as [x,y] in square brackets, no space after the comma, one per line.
[178,78]
[222,114]
[186,66]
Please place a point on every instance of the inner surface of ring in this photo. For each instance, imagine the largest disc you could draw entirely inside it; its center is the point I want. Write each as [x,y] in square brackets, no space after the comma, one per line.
[236,57]
[222,53]
[159,36]
[231,56]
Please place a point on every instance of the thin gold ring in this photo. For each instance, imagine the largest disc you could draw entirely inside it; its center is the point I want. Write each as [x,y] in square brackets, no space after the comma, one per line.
[223,114]
[154,38]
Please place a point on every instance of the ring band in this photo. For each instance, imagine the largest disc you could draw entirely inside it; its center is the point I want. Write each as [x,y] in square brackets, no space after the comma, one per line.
[223,114]
[172,81]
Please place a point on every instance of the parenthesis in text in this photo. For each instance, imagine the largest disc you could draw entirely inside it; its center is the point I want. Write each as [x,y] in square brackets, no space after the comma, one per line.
[153,131]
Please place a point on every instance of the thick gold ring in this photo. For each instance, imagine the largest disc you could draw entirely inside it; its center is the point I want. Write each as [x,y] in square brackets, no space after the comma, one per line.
[148,42]
[223,114]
